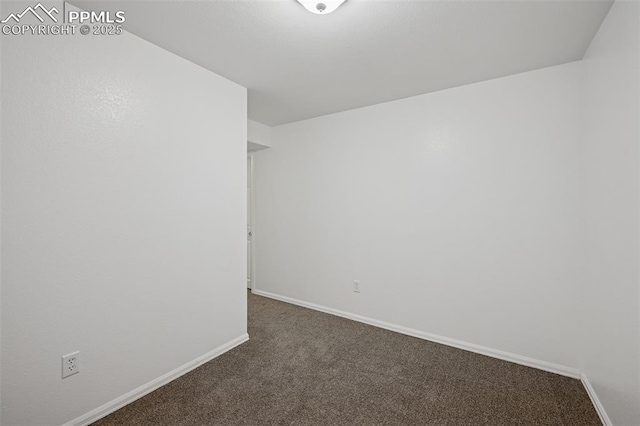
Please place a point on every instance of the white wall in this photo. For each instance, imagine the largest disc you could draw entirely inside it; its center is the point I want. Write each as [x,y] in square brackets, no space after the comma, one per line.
[611,353]
[456,210]
[258,136]
[123,219]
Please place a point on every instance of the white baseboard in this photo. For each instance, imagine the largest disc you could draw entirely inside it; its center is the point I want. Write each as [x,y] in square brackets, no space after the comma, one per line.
[483,350]
[604,418]
[129,397]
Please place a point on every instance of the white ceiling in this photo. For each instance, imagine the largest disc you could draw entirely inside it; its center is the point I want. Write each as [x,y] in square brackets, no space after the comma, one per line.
[298,65]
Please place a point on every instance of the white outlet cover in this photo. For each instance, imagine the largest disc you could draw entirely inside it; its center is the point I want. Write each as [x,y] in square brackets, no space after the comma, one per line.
[70,364]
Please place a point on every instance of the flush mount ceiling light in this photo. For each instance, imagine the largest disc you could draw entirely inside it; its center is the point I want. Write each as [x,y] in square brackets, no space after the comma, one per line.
[321,7]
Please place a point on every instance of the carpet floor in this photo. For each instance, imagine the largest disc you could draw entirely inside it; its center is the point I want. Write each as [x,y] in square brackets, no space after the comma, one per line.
[302,367]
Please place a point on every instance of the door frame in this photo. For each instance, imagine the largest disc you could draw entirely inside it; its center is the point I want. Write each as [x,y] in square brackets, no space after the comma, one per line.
[251,221]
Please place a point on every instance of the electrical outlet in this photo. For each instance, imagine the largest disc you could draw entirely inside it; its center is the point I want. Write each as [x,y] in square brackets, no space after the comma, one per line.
[70,364]
[356,286]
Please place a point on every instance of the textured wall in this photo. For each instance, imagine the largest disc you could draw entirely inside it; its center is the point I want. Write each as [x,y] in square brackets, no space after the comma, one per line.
[123,219]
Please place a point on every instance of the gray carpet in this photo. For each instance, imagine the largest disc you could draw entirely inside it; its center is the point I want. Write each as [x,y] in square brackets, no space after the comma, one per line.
[302,367]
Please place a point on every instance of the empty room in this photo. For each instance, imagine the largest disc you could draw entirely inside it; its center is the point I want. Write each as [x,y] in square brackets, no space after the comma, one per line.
[310,212]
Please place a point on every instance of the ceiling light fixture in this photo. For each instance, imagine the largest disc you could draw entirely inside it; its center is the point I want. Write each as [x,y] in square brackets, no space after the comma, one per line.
[321,7]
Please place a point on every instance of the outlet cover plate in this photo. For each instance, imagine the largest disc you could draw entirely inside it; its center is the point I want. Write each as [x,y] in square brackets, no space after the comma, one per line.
[70,364]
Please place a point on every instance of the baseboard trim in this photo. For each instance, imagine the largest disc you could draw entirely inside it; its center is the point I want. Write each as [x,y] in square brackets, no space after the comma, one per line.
[129,397]
[472,347]
[604,418]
